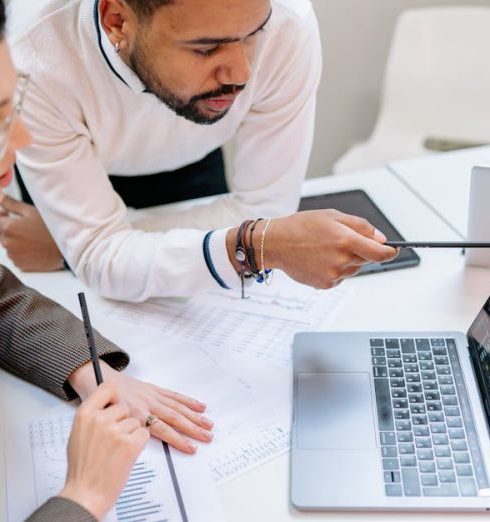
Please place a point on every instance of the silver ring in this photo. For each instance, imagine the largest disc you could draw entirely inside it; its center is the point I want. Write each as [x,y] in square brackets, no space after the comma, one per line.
[150,420]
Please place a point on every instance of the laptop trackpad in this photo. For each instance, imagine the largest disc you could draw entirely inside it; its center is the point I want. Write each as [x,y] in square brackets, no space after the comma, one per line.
[335,411]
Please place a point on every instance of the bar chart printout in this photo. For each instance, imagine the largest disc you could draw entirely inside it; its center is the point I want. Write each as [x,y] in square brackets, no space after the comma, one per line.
[152,493]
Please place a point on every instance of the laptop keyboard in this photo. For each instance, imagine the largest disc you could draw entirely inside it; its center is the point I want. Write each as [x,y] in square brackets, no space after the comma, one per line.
[428,440]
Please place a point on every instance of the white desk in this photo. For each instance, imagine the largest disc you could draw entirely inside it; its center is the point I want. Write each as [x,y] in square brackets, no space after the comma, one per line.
[439,294]
[442,181]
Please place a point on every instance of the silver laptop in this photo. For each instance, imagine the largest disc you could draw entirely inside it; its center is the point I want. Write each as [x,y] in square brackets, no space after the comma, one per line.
[392,421]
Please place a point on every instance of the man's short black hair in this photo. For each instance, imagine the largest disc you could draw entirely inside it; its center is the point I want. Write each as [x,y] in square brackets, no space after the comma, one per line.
[2,19]
[145,8]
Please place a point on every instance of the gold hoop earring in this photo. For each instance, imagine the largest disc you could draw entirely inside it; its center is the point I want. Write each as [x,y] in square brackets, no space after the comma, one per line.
[117,47]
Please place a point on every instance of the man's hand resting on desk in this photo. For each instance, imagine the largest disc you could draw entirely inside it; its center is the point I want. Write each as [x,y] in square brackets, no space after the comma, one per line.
[319,248]
[26,239]
[179,416]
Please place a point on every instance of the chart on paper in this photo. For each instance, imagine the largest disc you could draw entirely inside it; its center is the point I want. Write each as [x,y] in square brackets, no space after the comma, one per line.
[149,494]
[260,328]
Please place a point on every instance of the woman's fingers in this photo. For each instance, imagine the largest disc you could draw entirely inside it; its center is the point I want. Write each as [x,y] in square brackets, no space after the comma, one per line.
[166,433]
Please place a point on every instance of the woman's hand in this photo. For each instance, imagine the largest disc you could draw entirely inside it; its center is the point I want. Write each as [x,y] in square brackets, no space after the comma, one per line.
[104,444]
[178,416]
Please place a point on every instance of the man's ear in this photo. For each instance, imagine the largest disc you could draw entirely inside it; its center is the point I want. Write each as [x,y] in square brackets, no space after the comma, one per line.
[118,21]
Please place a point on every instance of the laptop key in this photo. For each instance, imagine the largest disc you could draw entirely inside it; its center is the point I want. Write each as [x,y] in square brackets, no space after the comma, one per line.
[414,388]
[452,411]
[380,371]
[436,416]
[411,368]
[402,414]
[434,406]
[411,483]
[426,365]
[441,361]
[377,351]
[399,393]
[456,433]
[425,356]
[464,470]
[383,404]
[406,449]
[417,409]
[393,354]
[392,344]
[408,461]
[432,396]
[395,373]
[448,390]
[420,420]
[393,490]
[423,442]
[421,431]
[389,451]
[376,342]
[437,342]
[407,345]
[459,445]
[438,427]
[416,398]
[400,404]
[428,375]
[394,363]
[445,380]
[392,477]
[430,385]
[443,370]
[446,490]
[427,466]
[409,358]
[405,436]
[397,383]
[391,464]
[387,438]
[440,439]
[447,477]
[467,487]
[425,454]
[461,457]
[442,451]
[403,425]
[423,345]
[429,480]
[412,377]
[444,464]
[449,400]
[379,361]
[439,351]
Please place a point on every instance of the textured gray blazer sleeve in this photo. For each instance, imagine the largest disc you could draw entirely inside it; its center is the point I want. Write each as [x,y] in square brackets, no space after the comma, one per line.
[59,509]
[42,342]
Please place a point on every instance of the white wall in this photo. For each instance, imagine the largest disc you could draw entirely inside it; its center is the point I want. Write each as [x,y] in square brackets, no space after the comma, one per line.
[356,36]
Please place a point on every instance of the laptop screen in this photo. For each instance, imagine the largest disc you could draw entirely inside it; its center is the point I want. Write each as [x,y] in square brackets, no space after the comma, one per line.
[479,346]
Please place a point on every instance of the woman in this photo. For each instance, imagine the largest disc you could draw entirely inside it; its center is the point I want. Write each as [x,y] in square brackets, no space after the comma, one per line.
[44,344]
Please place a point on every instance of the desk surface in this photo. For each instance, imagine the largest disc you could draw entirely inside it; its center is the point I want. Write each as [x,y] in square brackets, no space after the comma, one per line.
[443,181]
[439,294]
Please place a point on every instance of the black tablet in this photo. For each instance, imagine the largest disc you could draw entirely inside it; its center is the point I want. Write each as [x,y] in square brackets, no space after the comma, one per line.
[358,203]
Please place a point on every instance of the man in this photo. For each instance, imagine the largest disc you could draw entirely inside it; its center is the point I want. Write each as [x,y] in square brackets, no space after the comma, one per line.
[44,344]
[139,87]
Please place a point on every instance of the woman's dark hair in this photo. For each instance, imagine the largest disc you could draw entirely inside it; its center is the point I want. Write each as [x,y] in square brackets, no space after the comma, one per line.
[2,19]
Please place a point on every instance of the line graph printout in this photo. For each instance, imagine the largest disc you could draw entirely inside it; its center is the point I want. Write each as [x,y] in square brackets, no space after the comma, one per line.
[261,327]
[151,494]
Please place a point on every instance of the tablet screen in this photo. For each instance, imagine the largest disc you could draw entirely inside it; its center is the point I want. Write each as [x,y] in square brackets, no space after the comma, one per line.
[358,203]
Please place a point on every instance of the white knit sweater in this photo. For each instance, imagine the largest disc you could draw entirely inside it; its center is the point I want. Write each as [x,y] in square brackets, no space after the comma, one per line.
[90,117]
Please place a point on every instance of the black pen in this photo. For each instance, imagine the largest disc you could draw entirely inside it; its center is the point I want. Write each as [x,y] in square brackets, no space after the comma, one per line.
[437,244]
[90,338]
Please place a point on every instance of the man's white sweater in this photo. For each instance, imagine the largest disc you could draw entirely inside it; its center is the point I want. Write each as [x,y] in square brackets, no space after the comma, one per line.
[90,117]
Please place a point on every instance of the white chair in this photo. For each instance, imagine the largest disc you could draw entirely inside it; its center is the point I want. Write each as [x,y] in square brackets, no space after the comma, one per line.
[436,87]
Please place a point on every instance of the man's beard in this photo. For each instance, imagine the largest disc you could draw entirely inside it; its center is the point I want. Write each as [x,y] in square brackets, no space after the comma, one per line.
[187,109]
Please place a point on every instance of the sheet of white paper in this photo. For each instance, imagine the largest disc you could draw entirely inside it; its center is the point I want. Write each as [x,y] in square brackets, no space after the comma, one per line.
[245,421]
[260,328]
[36,469]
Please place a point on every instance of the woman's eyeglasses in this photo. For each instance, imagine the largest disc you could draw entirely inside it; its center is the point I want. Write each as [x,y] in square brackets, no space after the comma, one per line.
[7,124]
